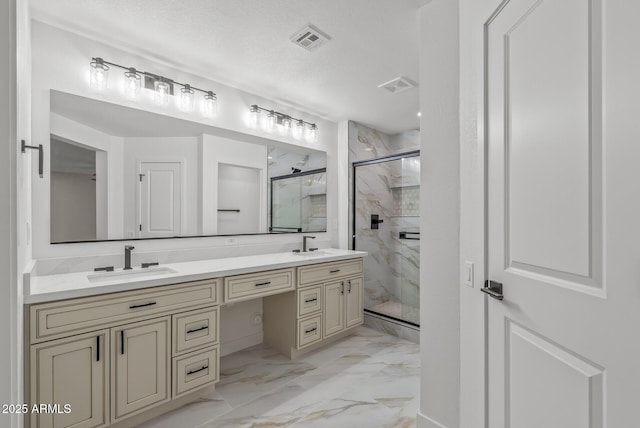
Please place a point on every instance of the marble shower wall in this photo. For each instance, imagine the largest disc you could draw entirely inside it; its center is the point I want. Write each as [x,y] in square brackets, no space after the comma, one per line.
[391,190]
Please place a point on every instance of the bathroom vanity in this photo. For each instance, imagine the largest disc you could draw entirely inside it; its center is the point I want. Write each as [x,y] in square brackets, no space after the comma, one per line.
[122,347]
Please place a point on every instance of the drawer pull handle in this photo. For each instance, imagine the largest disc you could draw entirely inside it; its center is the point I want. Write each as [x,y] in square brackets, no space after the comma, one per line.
[198,329]
[259,284]
[310,330]
[142,305]
[190,372]
[315,299]
[334,271]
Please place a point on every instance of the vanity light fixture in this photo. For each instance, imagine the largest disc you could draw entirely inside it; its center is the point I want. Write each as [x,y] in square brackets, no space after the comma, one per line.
[186,98]
[270,122]
[209,105]
[298,130]
[99,74]
[254,115]
[162,86]
[286,124]
[132,83]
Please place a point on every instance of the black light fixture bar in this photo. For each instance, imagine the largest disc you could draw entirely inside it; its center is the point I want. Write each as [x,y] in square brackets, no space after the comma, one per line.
[280,116]
[153,76]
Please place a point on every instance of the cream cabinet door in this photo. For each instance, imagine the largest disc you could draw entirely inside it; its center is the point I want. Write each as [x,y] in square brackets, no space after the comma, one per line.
[140,366]
[74,372]
[333,311]
[354,302]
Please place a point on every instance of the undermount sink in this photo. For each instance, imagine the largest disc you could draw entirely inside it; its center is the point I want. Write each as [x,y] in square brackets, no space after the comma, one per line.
[132,274]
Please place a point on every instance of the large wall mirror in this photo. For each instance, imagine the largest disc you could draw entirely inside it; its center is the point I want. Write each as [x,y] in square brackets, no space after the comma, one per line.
[123,173]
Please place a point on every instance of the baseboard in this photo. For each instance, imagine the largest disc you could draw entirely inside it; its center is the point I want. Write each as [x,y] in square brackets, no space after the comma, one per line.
[232,346]
[426,422]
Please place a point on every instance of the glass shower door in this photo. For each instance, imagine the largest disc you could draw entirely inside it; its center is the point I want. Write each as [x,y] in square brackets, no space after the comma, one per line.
[386,221]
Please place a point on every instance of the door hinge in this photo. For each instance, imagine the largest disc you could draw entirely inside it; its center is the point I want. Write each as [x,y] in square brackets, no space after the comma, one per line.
[141,175]
[140,228]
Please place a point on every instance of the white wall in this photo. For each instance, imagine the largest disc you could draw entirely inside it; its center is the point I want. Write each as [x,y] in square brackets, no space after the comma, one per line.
[8,250]
[15,187]
[473,14]
[439,224]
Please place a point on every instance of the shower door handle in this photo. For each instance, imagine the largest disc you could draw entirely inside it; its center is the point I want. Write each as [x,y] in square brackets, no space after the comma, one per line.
[375,221]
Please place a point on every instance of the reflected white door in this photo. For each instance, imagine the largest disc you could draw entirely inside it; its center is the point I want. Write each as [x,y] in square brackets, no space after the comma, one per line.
[160,199]
[564,203]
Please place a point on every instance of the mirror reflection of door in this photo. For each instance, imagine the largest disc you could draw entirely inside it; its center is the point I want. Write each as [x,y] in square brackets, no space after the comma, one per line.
[78,191]
[160,199]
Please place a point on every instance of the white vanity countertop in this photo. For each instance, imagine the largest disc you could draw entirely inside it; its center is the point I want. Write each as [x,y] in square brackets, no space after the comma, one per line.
[70,285]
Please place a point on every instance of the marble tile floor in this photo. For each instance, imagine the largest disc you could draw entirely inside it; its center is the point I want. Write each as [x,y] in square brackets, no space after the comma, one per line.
[369,379]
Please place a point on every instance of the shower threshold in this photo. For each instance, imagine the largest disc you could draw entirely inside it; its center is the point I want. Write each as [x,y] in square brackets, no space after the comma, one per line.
[397,312]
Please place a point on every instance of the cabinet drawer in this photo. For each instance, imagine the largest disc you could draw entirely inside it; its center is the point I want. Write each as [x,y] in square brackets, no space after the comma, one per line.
[195,370]
[328,271]
[78,315]
[309,331]
[309,300]
[195,329]
[250,286]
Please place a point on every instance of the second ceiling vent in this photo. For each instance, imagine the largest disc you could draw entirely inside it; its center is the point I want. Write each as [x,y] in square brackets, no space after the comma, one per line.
[310,38]
[397,85]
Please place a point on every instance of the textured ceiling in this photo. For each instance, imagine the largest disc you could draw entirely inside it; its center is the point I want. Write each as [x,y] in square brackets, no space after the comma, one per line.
[245,44]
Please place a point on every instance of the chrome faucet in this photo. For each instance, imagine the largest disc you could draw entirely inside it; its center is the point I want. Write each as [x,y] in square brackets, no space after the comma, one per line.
[127,256]
[304,242]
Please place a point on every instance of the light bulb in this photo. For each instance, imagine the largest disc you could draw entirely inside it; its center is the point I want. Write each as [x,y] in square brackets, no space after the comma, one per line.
[186,99]
[99,74]
[254,114]
[298,130]
[270,121]
[209,105]
[132,83]
[312,133]
[162,92]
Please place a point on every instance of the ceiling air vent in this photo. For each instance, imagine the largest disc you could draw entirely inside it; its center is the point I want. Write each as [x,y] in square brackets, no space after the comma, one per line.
[310,38]
[397,85]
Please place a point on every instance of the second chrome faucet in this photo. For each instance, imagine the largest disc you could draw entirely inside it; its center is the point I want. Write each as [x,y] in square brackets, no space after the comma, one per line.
[127,256]
[304,243]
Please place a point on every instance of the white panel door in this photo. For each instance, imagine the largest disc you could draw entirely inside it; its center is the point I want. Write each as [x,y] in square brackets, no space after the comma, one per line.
[160,199]
[563,207]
